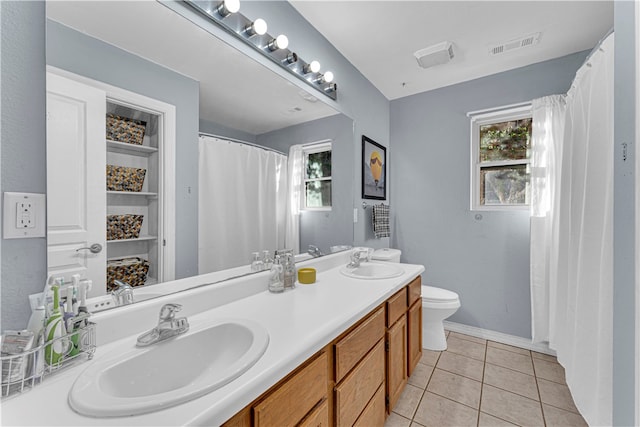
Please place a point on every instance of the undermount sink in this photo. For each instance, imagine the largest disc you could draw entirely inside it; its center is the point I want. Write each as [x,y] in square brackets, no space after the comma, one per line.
[170,372]
[373,270]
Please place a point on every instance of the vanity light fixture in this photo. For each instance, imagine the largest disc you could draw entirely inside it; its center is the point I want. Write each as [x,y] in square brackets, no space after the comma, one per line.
[312,67]
[227,7]
[257,27]
[225,14]
[280,42]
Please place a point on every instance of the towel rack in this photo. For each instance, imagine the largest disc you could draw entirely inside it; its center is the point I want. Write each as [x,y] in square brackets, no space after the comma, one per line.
[365,205]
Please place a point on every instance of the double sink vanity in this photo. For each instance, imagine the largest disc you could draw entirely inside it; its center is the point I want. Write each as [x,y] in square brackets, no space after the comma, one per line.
[336,352]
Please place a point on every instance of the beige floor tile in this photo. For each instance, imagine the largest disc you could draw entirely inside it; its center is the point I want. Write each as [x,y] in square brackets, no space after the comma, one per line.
[455,387]
[415,424]
[440,412]
[429,357]
[510,380]
[466,348]
[557,395]
[420,376]
[461,365]
[395,420]
[486,420]
[556,417]
[551,371]
[467,337]
[511,407]
[408,401]
[547,357]
[511,348]
[511,360]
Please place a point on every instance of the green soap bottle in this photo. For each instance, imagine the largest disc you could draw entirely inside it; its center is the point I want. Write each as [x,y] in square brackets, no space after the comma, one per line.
[54,330]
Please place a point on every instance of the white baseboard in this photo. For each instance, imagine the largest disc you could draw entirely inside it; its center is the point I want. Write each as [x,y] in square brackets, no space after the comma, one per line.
[498,337]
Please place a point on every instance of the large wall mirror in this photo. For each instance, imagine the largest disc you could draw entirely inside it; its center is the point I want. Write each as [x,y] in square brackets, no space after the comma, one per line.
[150,49]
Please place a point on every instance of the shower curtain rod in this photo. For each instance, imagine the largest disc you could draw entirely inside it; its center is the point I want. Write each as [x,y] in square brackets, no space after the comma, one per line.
[239,141]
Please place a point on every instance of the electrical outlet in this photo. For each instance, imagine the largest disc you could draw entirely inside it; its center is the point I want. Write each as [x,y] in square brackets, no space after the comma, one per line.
[23,215]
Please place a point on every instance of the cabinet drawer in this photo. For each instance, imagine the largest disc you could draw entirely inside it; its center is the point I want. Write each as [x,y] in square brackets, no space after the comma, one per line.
[290,402]
[351,348]
[374,414]
[357,389]
[415,290]
[396,306]
[319,417]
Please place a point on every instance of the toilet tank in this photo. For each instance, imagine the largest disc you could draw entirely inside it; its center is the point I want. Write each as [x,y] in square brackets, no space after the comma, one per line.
[387,254]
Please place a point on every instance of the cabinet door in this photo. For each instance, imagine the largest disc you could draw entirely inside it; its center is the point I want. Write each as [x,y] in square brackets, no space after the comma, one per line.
[76,203]
[396,361]
[414,335]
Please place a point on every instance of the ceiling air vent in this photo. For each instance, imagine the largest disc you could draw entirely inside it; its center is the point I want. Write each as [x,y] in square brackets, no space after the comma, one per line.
[526,41]
[437,54]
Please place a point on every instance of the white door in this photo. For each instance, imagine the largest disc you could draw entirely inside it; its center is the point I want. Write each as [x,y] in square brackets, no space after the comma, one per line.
[76,197]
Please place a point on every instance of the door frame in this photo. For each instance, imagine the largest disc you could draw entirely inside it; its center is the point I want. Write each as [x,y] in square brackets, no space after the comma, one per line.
[167,153]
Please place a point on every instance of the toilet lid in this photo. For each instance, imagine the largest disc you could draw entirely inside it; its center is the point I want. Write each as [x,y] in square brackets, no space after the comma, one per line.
[431,294]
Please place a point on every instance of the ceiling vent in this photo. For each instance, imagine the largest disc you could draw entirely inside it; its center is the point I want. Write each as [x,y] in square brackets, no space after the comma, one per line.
[526,41]
[437,54]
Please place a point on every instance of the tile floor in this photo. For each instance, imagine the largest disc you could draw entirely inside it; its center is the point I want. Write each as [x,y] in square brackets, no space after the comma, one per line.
[476,382]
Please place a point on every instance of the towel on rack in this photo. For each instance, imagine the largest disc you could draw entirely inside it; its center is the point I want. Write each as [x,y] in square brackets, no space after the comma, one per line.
[380,216]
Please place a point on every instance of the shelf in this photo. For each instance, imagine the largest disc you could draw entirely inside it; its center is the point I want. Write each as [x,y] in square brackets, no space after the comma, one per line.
[133,193]
[123,147]
[139,239]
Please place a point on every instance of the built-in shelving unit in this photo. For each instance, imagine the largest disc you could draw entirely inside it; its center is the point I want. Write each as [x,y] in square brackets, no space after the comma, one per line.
[146,202]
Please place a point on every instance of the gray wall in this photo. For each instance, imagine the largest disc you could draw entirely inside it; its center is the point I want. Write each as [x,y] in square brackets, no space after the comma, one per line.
[321,228]
[624,216]
[89,57]
[486,261]
[23,132]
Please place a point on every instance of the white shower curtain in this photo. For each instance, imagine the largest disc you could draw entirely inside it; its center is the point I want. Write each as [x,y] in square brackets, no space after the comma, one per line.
[242,201]
[294,198]
[572,296]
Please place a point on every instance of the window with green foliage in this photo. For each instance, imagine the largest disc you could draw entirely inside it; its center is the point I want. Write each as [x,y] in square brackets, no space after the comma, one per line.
[501,145]
[317,177]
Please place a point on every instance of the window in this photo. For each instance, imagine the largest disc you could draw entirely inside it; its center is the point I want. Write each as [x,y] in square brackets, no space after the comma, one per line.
[317,177]
[500,146]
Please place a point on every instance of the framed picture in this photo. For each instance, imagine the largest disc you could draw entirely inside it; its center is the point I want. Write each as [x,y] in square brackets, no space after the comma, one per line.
[374,170]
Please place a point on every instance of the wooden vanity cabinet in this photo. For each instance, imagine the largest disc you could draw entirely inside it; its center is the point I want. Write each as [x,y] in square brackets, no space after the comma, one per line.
[414,324]
[355,380]
[396,347]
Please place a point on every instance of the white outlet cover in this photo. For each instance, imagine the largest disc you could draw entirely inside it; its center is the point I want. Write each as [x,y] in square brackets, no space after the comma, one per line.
[10,228]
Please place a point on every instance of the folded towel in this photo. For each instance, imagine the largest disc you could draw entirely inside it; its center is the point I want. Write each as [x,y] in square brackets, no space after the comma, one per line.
[380,218]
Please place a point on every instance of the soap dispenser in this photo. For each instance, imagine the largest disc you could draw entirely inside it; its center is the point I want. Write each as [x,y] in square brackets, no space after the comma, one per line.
[289,271]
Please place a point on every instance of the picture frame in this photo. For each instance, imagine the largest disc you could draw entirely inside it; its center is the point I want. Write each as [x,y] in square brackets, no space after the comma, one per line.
[374,170]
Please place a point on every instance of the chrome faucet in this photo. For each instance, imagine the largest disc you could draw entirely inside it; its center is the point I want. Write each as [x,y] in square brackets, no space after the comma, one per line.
[314,251]
[123,294]
[357,258]
[168,326]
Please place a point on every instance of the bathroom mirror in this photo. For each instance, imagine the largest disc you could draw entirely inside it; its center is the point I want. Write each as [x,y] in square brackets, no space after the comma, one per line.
[236,98]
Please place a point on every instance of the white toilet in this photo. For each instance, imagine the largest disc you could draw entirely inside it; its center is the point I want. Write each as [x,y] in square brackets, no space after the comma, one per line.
[437,305]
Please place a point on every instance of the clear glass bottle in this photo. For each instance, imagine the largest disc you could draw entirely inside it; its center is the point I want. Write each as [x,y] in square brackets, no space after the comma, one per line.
[267,260]
[257,264]
[289,271]
[276,283]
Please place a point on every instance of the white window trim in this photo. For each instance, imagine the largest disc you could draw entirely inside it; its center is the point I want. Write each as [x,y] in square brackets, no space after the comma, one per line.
[311,148]
[479,118]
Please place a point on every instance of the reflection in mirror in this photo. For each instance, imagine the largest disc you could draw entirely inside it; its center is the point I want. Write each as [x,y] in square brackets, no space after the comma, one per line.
[238,105]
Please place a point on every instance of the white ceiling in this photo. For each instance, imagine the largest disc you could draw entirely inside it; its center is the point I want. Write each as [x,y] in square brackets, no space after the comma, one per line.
[235,91]
[380,37]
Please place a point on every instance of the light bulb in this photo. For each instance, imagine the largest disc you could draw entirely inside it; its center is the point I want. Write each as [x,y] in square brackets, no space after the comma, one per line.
[328,77]
[259,26]
[228,6]
[312,67]
[280,42]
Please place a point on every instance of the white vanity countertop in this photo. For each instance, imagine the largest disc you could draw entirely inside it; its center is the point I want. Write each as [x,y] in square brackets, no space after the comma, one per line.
[300,322]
